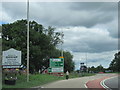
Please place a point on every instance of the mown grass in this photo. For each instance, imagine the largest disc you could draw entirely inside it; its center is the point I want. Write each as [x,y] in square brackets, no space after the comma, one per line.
[38,80]
[35,80]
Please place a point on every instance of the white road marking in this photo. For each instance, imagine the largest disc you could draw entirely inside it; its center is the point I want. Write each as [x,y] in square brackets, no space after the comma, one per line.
[87,82]
[85,85]
[102,83]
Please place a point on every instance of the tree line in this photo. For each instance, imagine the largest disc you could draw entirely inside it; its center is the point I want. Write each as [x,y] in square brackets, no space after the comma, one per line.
[43,44]
[114,65]
[97,69]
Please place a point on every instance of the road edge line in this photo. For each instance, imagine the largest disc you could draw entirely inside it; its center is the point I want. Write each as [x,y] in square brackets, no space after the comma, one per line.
[102,83]
[87,82]
[86,85]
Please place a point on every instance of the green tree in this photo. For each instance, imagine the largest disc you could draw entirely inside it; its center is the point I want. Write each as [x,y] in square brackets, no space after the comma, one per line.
[0,42]
[68,62]
[97,69]
[100,68]
[114,65]
[92,69]
[43,42]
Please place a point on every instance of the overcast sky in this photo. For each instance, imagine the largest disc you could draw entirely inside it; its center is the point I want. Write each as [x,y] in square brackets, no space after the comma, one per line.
[89,27]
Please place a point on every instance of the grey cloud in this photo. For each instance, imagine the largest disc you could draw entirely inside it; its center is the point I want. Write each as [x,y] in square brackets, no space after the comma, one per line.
[93,47]
[75,15]
[114,31]
[85,5]
[72,14]
[103,45]
[102,12]
[89,40]
[15,9]
[93,61]
[64,14]
[112,27]
[95,6]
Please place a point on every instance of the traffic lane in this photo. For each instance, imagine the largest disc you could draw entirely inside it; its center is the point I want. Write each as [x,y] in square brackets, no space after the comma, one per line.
[112,82]
[75,82]
[96,83]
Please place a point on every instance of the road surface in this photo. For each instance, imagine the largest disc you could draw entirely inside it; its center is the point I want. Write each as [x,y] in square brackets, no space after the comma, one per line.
[112,82]
[76,82]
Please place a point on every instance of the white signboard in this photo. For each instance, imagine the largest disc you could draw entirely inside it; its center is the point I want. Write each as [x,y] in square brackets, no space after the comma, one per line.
[57,69]
[11,57]
[11,66]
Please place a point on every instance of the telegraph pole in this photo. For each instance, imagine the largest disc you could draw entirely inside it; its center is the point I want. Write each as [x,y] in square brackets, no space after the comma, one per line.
[27,40]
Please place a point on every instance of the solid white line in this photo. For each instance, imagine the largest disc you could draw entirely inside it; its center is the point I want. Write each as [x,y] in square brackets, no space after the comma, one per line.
[85,85]
[102,83]
[87,82]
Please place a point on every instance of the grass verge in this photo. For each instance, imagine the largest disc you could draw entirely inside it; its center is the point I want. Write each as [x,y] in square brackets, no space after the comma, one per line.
[37,80]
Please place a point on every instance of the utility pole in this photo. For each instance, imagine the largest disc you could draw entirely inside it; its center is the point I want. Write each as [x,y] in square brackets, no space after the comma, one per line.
[27,40]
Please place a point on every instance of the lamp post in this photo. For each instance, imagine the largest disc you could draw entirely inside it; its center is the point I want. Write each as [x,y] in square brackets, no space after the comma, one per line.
[27,40]
[62,44]
[61,36]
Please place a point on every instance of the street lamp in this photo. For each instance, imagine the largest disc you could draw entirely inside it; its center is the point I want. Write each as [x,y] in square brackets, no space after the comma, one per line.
[62,44]
[61,36]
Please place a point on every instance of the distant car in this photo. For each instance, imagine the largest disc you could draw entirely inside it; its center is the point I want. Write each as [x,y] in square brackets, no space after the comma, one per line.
[101,72]
[108,71]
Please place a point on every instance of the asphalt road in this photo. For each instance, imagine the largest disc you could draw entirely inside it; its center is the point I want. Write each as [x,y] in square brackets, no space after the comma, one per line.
[113,82]
[73,83]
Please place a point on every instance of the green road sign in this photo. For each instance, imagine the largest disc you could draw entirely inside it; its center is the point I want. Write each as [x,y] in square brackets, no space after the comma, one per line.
[49,70]
[57,64]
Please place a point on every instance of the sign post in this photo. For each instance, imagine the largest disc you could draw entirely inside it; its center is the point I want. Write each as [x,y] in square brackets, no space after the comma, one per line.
[56,65]
[11,61]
